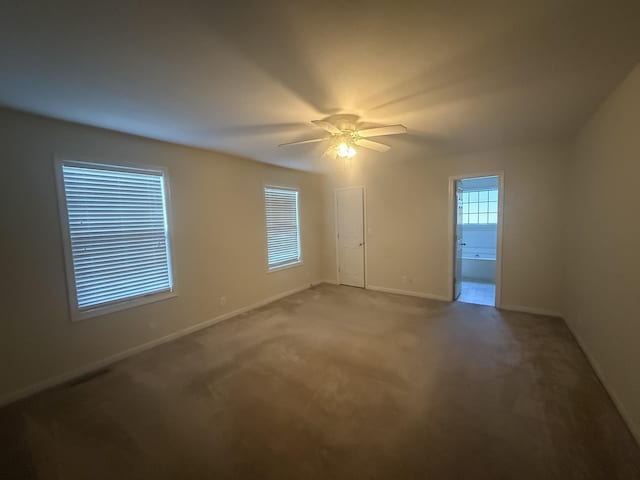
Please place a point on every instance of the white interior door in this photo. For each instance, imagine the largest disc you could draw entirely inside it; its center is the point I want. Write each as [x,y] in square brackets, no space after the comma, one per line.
[458,243]
[350,235]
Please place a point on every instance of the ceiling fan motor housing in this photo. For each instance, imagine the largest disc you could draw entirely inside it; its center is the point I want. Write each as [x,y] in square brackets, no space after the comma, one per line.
[344,122]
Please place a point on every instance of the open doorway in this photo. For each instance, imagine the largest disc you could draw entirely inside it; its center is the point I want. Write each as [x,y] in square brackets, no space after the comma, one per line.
[477,239]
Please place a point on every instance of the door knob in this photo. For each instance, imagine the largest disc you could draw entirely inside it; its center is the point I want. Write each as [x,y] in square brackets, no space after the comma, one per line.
[360,244]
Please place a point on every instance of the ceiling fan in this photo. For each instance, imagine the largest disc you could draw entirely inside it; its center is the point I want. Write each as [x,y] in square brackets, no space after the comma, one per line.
[345,135]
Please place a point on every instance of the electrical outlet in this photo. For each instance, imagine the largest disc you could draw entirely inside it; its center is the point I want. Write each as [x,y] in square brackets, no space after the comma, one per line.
[404,279]
[223,300]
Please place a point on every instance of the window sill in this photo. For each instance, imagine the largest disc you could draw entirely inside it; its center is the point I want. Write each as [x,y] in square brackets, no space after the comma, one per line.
[284,267]
[79,315]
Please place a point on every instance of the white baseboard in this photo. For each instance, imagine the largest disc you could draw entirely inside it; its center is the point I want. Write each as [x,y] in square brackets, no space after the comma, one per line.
[633,428]
[442,298]
[534,310]
[100,364]
[410,293]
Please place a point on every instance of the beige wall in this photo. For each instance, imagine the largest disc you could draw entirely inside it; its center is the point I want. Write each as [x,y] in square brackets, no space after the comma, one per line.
[218,245]
[603,246]
[407,214]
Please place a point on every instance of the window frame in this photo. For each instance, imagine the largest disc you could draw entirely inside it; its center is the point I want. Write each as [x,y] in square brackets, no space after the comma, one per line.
[300,261]
[76,313]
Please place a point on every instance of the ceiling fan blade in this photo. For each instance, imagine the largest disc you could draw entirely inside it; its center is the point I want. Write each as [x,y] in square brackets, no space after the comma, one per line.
[378,147]
[379,131]
[302,142]
[329,127]
[330,152]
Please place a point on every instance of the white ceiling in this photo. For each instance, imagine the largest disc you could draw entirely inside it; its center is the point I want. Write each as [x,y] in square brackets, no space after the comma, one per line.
[244,76]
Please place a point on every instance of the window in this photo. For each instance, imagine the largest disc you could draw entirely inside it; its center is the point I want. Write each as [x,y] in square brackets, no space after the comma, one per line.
[117,244]
[283,227]
[480,207]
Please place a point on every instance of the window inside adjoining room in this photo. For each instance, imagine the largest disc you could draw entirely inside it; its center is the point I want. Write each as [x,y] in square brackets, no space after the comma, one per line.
[283,227]
[116,236]
[480,207]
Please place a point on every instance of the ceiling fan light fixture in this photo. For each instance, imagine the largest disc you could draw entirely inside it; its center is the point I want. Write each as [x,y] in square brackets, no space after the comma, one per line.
[346,151]
[345,134]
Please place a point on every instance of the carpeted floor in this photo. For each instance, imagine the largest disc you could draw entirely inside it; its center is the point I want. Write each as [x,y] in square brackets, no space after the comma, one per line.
[335,383]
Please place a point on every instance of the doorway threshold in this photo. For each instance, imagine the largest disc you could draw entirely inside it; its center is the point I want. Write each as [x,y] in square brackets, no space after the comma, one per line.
[478,293]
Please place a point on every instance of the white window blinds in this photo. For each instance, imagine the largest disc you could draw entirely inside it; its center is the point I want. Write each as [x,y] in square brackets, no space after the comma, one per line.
[283,227]
[117,230]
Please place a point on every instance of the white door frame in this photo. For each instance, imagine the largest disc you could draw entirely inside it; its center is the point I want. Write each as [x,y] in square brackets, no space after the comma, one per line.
[450,235]
[364,227]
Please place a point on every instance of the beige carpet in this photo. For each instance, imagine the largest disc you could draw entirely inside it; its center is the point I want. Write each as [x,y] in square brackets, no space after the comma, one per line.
[335,383]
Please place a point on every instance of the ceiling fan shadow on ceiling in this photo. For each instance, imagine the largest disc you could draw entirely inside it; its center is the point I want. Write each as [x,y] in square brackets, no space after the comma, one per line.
[346,133]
